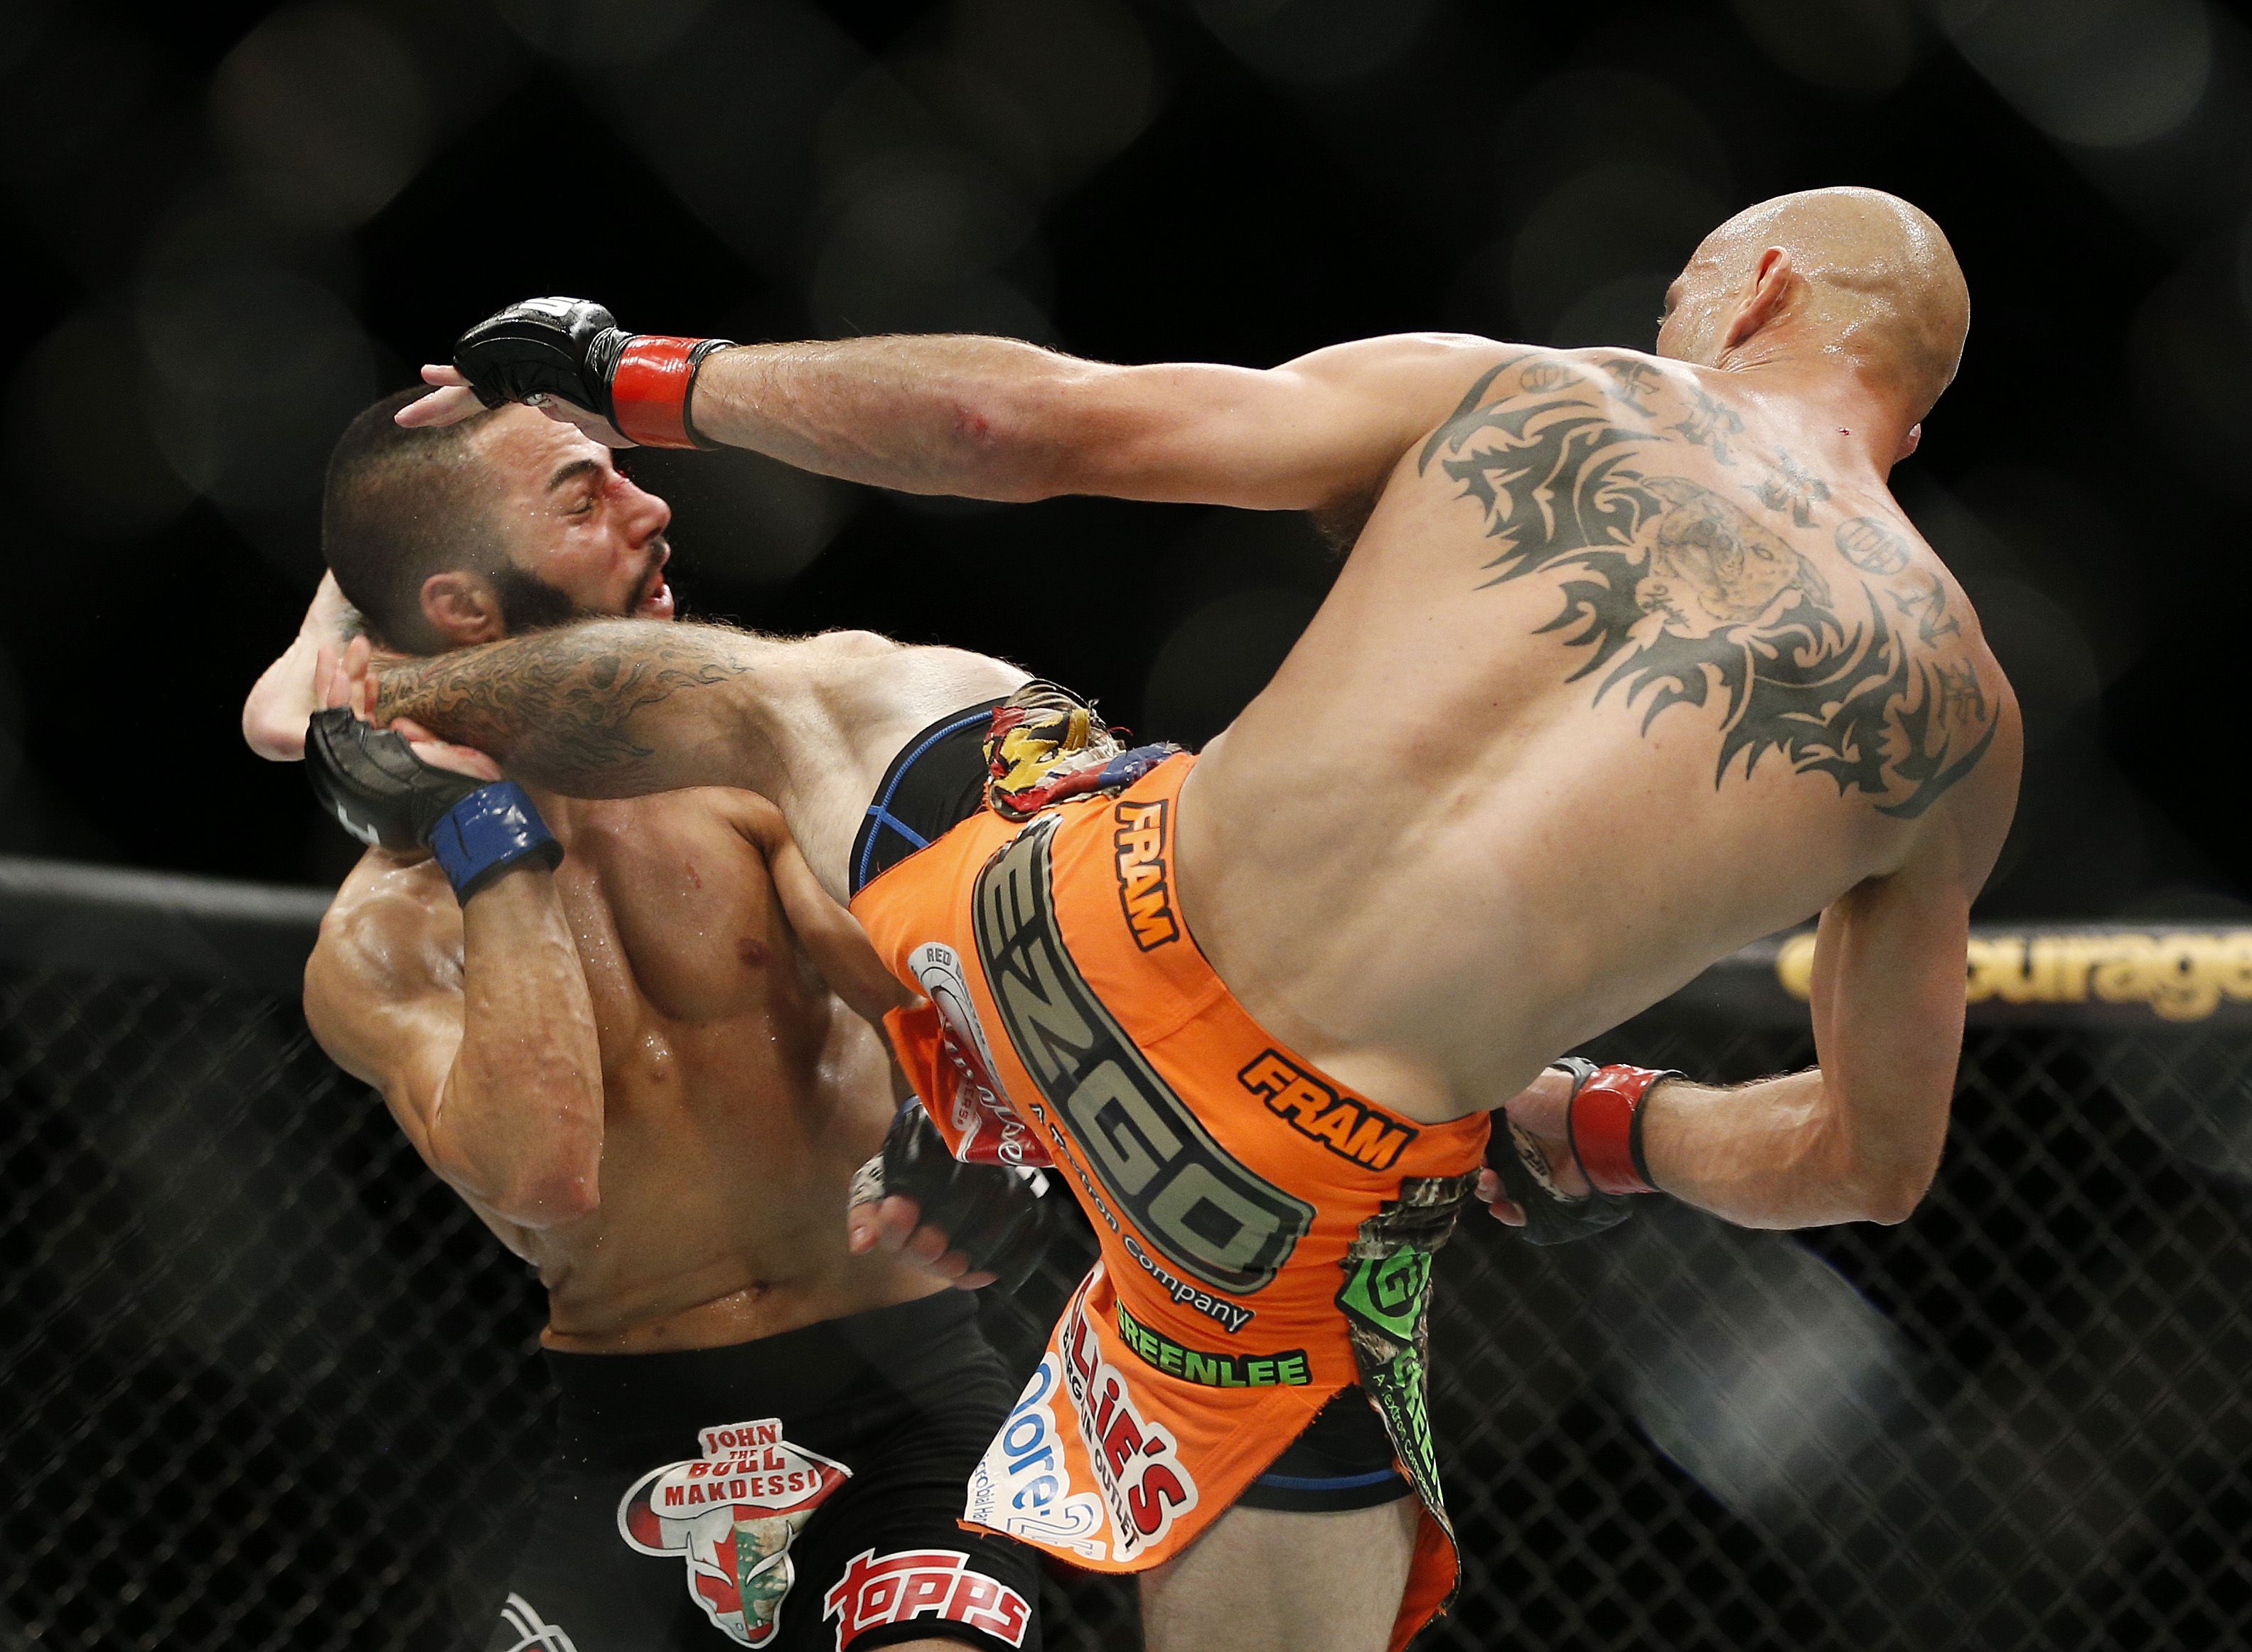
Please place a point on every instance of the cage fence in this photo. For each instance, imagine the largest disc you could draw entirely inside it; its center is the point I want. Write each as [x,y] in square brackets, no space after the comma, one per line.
[269,1384]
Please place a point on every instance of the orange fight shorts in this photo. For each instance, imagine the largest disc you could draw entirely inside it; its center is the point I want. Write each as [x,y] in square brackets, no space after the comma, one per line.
[1266,1235]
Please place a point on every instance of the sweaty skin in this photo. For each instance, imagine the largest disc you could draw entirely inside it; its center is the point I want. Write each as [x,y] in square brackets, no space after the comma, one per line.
[636,1069]
[665,1102]
[641,1070]
[1635,659]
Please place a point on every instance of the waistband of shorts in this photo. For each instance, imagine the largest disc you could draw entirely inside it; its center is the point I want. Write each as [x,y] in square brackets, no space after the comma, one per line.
[813,1369]
[1175,984]
[933,782]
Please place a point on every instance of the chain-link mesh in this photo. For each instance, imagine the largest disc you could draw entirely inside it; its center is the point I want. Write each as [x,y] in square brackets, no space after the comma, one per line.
[267,1382]
[2015,1420]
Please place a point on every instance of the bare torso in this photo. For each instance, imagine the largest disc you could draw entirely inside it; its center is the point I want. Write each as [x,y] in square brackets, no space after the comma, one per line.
[1633,662]
[739,1095]
[853,701]
[1610,686]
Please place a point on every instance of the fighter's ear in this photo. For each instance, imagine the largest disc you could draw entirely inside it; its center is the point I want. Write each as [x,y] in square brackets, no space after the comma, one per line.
[1773,280]
[1910,442]
[462,608]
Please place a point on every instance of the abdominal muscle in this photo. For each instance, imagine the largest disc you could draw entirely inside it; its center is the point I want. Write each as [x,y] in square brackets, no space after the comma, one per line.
[739,1097]
[722,1216]
[714,1227]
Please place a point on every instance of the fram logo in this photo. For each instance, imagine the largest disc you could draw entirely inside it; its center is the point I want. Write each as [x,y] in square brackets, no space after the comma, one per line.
[1345,1127]
[1142,892]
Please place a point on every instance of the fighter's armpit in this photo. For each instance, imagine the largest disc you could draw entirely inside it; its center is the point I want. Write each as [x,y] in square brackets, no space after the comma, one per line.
[832,935]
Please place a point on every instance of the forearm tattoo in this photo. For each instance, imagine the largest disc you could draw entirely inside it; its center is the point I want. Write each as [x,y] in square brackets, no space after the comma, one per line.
[1682,593]
[572,706]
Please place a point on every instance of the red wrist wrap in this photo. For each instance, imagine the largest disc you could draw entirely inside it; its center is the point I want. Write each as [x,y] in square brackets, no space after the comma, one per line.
[649,391]
[1605,1125]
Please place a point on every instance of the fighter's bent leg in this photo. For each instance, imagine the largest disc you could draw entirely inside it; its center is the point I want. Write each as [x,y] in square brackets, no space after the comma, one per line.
[1270,1580]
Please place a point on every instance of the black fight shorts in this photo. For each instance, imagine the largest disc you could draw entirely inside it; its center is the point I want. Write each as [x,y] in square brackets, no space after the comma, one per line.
[1342,1460]
[797,1492]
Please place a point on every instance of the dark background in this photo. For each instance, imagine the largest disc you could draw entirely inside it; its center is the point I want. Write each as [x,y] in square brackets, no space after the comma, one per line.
[230,226]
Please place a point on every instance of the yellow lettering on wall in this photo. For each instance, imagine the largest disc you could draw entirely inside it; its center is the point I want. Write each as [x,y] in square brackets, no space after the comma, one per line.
[2182,976]
[1794,966]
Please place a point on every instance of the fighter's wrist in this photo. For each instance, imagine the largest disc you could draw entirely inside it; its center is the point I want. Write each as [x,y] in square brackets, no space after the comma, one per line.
[652,386]
[1605,1125]
[492,830]
[572,350]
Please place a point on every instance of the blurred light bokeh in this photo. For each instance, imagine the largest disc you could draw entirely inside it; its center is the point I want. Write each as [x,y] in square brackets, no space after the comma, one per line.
[230,226]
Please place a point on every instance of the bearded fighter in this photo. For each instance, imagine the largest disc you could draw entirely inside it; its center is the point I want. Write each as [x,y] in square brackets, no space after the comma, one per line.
[1634,659]
[615,1029]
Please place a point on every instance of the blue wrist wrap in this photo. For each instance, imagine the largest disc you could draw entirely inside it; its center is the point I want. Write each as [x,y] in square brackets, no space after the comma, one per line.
[488,831]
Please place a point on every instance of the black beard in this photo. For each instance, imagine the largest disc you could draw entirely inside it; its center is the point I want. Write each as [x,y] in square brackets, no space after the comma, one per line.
[529,603]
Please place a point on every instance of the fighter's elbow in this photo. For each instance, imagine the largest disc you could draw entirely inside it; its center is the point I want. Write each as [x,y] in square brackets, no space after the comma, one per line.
[535,1173]
[1014,448]
[1887,1190]
[548,1201]
[1889,1203]
[1065,427]
[1877,1151]
[546,1192]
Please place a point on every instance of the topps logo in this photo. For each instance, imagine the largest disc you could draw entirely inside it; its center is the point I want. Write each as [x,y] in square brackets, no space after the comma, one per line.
[933,1583]
[1142,888]
[1339,1123]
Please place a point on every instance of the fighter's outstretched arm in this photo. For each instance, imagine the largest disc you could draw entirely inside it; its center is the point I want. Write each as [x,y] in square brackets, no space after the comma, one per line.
[990,418]
[996,418]
[612,708]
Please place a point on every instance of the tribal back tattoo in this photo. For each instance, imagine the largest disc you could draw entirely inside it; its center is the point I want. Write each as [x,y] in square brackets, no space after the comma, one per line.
[1682,594]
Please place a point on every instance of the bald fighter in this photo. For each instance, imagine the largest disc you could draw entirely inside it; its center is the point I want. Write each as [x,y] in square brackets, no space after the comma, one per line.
[620,1031]
[1635,659]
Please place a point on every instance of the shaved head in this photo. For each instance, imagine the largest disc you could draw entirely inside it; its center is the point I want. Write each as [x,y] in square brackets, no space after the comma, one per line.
[1881,287]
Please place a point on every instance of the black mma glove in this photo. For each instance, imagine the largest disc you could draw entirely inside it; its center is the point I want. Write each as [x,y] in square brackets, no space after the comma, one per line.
[573,349]
[381,793]
[995,1217]
[1530,1181]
